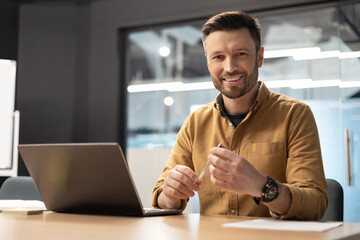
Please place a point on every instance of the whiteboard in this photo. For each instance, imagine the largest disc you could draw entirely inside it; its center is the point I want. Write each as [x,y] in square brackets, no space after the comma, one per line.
[7,102]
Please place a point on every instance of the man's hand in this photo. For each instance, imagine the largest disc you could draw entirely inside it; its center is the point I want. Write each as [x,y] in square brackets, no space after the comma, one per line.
[180,183]
[234,173]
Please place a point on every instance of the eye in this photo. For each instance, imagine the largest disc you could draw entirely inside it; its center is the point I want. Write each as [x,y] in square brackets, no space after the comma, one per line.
[218,57]
[241,53]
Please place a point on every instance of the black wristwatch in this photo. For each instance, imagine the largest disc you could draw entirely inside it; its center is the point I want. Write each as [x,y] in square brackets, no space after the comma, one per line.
[269,193]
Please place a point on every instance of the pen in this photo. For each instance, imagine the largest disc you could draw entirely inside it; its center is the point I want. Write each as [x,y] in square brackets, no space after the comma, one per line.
[207,165]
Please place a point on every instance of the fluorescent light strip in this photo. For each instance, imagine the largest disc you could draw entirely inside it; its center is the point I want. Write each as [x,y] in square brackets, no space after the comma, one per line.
[355,54]
[349,84]
[192,87]
[153,86]
[286,83]
[302,83]
[170,86]
[318,55]
[290,52]
[318,83]
[309,83]
[300,54]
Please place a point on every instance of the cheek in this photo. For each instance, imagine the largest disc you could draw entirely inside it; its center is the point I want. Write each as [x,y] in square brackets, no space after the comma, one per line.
[247,67]
[214,68]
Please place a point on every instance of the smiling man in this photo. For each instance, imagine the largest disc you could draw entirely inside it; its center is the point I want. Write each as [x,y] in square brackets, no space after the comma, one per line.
[269,162]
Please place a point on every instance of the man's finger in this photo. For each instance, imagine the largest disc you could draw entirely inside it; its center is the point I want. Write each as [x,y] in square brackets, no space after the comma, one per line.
[188,177]
[224,153]
[175,189]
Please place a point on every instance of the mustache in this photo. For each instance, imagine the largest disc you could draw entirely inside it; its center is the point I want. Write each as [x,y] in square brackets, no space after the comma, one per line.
[233,74]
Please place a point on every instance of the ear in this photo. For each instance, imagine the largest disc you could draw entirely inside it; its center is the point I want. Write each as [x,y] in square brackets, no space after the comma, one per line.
[260,57]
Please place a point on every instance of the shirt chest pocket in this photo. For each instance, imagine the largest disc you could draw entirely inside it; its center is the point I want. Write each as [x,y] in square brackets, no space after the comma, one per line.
[269,158]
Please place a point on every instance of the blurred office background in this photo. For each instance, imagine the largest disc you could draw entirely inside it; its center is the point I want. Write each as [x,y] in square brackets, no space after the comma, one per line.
[131,72]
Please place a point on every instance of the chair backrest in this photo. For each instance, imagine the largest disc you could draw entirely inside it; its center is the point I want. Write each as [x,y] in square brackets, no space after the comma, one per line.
[19,188]
[335,210]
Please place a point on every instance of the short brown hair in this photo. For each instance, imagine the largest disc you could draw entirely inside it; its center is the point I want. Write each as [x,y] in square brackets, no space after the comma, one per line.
[233,20]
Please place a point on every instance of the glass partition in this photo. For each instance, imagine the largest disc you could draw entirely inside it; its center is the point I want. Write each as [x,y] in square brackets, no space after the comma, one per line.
[311,54]
[167,65]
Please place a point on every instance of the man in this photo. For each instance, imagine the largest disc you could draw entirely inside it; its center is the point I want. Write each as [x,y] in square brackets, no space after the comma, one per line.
[269,163]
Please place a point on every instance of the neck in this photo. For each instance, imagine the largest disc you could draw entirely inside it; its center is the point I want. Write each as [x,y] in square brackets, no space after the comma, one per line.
[242,104]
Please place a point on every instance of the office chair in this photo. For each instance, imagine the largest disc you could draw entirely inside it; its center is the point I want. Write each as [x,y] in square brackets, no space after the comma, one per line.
[19,188]
[335,209]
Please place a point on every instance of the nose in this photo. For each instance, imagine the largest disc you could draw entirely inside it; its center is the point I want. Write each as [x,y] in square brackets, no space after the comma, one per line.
[230,65]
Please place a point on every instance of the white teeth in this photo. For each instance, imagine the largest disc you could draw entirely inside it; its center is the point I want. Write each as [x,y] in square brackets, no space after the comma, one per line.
[232,79]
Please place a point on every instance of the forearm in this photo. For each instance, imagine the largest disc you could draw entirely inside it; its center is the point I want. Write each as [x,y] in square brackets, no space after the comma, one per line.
[308,203]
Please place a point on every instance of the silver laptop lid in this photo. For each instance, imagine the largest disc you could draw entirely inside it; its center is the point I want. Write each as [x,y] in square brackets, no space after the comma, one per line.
[82,178]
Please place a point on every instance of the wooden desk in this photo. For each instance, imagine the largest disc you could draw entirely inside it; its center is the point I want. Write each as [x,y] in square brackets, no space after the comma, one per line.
[187,226]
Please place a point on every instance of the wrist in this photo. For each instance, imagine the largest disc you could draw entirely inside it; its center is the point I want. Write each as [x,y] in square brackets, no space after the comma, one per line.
[269,193]
[165,202]
[260,186]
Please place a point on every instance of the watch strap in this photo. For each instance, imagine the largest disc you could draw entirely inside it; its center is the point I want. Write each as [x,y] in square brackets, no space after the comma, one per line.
[256,200]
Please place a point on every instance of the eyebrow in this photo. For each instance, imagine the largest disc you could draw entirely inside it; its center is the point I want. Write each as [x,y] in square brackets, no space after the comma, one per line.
[235,50]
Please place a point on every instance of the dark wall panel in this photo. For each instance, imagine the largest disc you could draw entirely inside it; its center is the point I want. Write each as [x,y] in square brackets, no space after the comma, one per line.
[46,66]
[9,15]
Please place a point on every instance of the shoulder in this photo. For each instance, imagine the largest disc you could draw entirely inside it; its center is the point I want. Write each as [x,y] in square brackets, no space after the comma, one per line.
[284,102]
[279,101]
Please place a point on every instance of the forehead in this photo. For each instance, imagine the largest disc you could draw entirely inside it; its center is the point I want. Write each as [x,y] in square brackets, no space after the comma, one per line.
[229,40]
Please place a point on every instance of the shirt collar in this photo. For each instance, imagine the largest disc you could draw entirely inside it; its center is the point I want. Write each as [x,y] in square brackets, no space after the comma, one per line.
[262,95]
[219,105]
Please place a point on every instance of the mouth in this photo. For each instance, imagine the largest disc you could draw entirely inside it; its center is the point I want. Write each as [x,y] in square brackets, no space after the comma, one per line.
[233,79]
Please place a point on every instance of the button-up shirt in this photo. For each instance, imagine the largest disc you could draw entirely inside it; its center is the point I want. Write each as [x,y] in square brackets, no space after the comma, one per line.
[278,137]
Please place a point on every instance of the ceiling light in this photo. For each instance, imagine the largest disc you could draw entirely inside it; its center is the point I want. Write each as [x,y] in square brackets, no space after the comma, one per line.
[318,83]
[164,51]
[318,55]
[349,84]
[287,83]
[290,52]
[355,54]
[192,86]
[168,101]
[153,86]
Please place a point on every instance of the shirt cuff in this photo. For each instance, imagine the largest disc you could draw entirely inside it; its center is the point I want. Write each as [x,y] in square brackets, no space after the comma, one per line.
[296,202]
[154,198]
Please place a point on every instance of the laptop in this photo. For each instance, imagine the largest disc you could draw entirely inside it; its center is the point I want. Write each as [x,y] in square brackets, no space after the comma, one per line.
[89,178]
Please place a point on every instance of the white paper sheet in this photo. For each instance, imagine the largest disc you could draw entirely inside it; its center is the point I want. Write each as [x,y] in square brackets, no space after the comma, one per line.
[28,204]
[284,225]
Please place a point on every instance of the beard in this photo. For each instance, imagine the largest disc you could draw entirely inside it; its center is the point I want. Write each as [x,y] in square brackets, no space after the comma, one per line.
[239,90]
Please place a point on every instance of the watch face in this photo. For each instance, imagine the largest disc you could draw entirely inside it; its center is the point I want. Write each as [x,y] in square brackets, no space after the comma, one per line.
[270,191]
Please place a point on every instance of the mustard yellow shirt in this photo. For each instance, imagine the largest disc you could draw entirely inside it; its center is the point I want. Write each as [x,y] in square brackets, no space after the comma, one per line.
[278,137]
